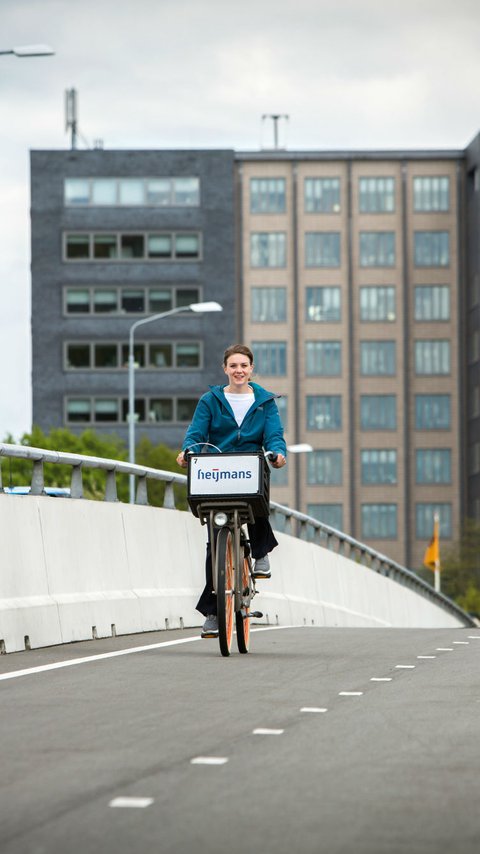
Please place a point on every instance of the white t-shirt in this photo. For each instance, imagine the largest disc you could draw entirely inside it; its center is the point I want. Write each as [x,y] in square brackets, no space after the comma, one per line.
[240,404]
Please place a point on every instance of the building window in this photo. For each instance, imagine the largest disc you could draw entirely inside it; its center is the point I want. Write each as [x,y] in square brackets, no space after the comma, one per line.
[323,358]
[433,465]
[431,248]
[329,514]
[77,246]
[132,247]
[324,412]
[267,195]
[78,356]
[154,355]
[105,409]
[432,411]
[377,248]
[424,518]
[378,412]
[432,302]
[323,305]
[270,358]
[377,304]
[431,193]
[155,410]
[322,249]
[156,192]
[324,467]
[117,300]
[378,466]
[432,357]
[376,195]
[322,195]
[268,249]
[269,305]
[377,358]
[379,521]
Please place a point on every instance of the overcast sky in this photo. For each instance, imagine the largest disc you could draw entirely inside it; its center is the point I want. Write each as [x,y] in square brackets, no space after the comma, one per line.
[200,73]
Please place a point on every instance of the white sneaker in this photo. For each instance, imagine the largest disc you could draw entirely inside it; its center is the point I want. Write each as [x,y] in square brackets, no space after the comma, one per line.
[210,627]
[262,568]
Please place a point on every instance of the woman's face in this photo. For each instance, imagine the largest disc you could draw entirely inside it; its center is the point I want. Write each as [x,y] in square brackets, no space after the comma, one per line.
[238,369]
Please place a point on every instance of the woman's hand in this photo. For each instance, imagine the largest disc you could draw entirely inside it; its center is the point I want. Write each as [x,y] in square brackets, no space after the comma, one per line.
[181,461]
[279,462]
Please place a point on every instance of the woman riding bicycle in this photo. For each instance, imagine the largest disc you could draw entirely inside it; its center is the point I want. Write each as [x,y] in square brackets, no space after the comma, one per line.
[241,416]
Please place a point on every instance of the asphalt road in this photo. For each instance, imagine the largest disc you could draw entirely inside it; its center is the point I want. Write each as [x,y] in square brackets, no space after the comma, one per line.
[392,767]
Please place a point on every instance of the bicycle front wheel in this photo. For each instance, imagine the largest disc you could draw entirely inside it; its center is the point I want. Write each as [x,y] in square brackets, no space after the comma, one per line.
[225,590]
[242,617]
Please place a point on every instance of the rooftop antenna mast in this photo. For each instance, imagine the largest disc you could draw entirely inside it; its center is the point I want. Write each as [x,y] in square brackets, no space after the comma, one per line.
[71,121]
[275,117]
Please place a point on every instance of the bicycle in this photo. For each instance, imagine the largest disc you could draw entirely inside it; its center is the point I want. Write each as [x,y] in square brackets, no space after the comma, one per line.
[226,491]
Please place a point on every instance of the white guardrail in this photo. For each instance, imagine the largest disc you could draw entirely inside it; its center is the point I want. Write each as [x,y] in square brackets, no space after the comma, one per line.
[78,538]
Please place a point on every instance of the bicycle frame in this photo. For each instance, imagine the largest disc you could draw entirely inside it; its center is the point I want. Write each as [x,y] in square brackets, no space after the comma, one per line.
[238,514]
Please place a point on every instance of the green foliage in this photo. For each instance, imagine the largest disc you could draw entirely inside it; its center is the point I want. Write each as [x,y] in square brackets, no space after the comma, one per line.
[160,457]
[89,443]
[461,568]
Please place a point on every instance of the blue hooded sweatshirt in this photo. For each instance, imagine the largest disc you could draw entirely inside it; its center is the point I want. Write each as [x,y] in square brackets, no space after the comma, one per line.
[213,421]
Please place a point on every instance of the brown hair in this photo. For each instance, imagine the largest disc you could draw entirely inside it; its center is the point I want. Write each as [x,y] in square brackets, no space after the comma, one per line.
[242,349]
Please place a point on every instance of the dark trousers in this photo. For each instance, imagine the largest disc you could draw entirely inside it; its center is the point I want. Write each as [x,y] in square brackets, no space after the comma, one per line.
[262,541]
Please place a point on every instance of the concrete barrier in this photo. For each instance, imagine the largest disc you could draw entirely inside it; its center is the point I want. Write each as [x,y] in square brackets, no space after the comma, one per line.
[75,569]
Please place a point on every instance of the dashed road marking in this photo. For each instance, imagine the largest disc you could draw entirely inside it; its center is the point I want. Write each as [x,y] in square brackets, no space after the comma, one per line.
[474,637]
[444,649]
[463,643]
[381,679]
[131,803]
[313,709]
[350,693]
[405,666]
[209,760]
[426,656]
[266,731]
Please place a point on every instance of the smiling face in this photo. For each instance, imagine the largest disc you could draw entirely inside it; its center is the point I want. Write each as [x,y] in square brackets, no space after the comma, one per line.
[239,370]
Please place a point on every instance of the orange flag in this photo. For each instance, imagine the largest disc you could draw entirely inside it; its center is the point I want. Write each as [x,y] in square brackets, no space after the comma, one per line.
[431,558]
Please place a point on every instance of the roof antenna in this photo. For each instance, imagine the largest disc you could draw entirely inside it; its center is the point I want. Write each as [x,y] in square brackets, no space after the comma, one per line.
[71,115]
[71,121]
[275,117]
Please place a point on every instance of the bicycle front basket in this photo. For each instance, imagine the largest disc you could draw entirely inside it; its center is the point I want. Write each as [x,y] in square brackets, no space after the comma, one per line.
[228,477]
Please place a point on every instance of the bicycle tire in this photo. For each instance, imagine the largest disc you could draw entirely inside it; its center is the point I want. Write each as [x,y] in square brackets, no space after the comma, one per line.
[242,620]
[225,590]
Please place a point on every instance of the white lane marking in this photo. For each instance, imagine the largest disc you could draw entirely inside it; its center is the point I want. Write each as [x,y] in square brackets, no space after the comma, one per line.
[350,693]
[381,679]
[209,760]
[464,643]
[129,803]
[426,656]
[265,731]
[313,709]
[405,666]
[444,648]
[58,665]
[472,637]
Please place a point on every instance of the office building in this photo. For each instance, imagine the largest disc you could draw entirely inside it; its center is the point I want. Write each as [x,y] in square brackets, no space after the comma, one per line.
[117,236]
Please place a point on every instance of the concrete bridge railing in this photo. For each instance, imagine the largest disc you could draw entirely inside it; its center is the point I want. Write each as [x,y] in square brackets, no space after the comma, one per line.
[75,568]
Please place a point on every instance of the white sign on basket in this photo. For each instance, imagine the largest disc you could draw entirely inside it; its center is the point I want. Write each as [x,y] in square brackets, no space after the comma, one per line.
[221,475]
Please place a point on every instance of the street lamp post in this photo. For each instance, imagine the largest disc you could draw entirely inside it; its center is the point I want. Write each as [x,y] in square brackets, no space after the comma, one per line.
[200,307]
[29,50]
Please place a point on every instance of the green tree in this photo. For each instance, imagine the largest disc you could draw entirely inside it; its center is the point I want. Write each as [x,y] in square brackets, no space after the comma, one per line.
[460,567]
[89,443]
